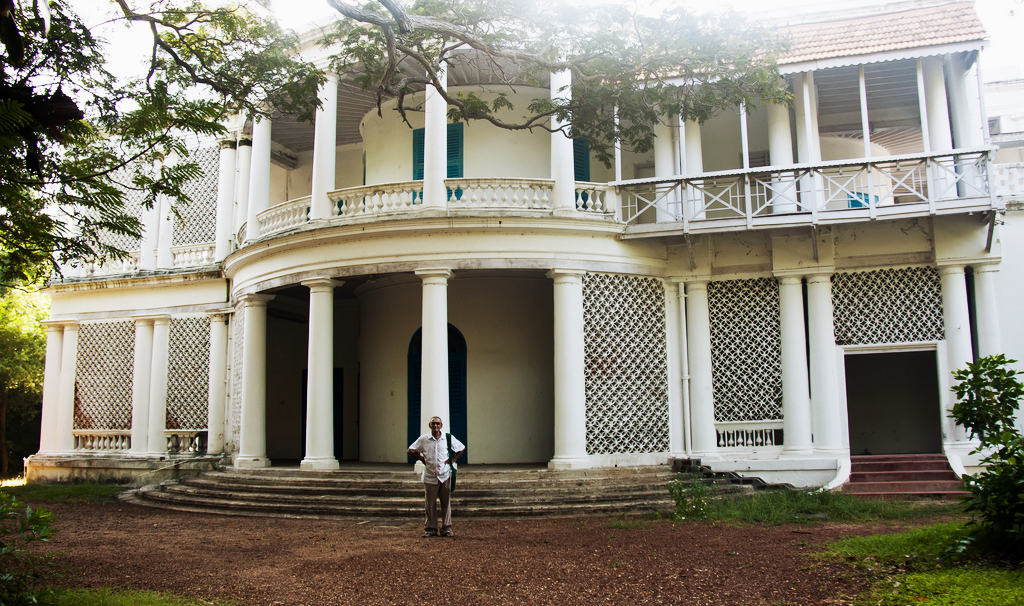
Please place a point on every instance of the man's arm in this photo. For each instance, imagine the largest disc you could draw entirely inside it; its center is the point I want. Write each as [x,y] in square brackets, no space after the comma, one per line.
[412,452]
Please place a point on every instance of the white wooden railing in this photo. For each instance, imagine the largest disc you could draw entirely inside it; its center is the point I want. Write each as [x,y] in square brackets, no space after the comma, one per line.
[186,441]
[108,267]
[192,255]
[102,440]
[841,190]
[749,435]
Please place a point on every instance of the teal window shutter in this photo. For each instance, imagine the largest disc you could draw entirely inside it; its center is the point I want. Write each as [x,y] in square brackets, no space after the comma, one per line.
[581,159]
[417,154]
[454,151]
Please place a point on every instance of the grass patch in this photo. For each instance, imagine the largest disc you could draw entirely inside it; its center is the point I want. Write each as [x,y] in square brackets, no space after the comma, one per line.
[108,597]
[939,543]
[85,492]
[950,587]
[786,506]
[629,523]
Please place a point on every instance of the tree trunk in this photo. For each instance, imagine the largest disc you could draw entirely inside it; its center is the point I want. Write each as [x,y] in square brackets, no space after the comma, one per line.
[3,433]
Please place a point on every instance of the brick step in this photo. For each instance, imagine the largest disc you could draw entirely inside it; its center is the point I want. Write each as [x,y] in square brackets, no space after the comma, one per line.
[901,487]
[909,465]
[904,475]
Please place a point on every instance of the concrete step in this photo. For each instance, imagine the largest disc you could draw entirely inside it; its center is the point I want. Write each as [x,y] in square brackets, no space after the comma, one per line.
[903,476]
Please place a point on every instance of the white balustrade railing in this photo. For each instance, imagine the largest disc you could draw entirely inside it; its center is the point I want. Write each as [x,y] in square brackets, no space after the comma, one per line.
[748,435]
[1008,181]
[284,216]
[192,255]
[186,441]
[867,185]
[498,194]
[109,267]
[102,440]
[594,198]
[369,200]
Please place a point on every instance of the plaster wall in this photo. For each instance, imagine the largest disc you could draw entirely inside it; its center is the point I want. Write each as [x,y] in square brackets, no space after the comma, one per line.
[148,296]
[507,324]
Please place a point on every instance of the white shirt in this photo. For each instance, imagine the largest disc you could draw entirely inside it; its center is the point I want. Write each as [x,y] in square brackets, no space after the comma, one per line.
[435,453]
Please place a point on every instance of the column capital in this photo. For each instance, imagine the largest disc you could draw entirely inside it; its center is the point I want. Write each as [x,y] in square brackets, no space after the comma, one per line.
[219,315]
[255,299]
[434,273]
[58,324]
[817,278]
[565,272]
[150,318]
[228,144]
[990,266]
[946,269]
[321,283]
[790,279]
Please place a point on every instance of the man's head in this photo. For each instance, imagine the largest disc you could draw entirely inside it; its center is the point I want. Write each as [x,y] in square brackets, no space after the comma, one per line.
[435,425]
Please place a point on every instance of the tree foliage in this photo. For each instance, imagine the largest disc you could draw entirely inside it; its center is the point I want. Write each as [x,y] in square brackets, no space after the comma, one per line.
[75,139]
[988,395]
[644,68]
[22,350]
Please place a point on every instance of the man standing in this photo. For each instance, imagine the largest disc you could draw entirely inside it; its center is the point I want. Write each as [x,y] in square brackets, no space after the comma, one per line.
[432,449]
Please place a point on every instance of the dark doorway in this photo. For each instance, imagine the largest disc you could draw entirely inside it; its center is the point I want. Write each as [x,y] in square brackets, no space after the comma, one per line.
[339,410]
[893,403]
[456,425]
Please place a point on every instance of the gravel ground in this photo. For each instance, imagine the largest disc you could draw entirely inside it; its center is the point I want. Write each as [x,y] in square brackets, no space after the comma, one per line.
[276,562]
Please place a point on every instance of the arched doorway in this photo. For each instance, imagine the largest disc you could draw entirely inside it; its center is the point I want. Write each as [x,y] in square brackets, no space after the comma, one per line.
[456,386]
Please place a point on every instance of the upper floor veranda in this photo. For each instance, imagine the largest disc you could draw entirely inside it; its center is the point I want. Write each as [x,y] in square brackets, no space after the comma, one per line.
[876,130]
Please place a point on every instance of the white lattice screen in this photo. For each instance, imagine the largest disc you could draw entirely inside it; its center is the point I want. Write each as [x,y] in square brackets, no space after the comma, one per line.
[746,362]
[625,365]
[188,373]
[133,205]
[887,306]
[103,377]
[237,342]
[197,221]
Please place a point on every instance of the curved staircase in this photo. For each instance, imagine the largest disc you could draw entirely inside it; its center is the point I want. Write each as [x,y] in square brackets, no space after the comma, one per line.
[398,492]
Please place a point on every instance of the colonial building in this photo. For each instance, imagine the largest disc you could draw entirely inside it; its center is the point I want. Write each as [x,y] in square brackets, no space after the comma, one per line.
[769,291]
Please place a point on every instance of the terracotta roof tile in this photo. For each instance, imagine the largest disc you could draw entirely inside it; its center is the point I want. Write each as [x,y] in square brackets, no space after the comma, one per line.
[944,24]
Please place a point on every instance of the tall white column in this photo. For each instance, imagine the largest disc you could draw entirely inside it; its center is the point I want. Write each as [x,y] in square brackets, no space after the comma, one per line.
[65,439]
[51,387]
[150,236]
[217,399]
[140,384]
[225,200]
[827,408]
[939,132]
[956,321]
[435,148]
[990,341]
[570,393]
[563,170]
[158,386]
[320,377]
[252,448]
[664,166]
[676,429]
[693,165]
[434,371]
[780,150]
[165,233]
[324,149]
[796,404]
[808,141]
[259,176]
[244,165]
[703,435]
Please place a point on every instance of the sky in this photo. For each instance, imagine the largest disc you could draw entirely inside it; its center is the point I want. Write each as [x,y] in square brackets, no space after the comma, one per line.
[1004,20]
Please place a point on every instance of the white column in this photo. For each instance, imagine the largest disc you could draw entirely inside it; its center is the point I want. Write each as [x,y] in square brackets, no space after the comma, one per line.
[956,321]
[252,448]
[807,137]
[570,394]
[324,149]
[140,384]
[217,398]
[244,164]
[664,166]
[259,176]
[865,122]
[563,170]
[435,148]
[434,371]
[165,229]
[676,429]
[780,149]
[158,387]
[939,131]
[51,387]
[703,435]
[796,405]
[320,377]
[693,165]
[64,440]
[827,409]
[990,341]
[150,236]
[225,200]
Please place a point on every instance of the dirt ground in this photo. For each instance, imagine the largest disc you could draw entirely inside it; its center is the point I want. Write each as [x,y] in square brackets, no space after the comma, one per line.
[277,562]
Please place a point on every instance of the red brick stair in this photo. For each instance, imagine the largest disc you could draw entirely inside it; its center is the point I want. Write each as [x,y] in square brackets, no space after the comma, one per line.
[914,476]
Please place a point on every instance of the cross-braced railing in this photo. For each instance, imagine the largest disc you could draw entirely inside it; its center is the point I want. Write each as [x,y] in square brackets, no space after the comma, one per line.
[928,183]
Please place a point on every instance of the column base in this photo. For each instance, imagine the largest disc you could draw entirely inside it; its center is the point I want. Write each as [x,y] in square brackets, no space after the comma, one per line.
[251,462]
[564,211]
[560,463]
[319,464]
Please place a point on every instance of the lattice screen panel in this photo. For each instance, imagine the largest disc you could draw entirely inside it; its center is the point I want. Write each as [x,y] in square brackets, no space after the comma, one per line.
[197,220]
[887,306]
[133,206]
[625,365]
[237,343]
[103,378]
[746,345]
[188,373]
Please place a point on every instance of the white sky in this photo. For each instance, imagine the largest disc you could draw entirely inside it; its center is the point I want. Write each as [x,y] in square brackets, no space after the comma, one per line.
[1004,20]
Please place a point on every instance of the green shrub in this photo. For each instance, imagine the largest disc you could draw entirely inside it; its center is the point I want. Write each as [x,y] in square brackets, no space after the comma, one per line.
[20,569]
[988,394]
[692,498]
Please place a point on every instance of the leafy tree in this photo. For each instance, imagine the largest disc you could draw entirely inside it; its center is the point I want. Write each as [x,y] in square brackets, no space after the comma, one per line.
[74,138]
[988,395]
[22,350]
[644,68]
